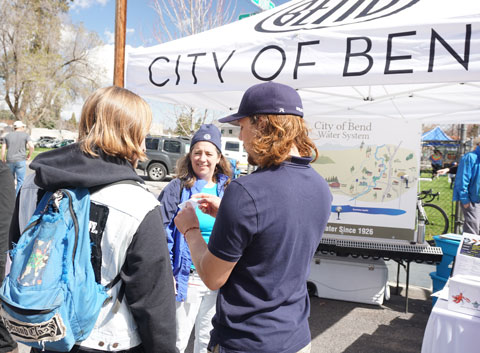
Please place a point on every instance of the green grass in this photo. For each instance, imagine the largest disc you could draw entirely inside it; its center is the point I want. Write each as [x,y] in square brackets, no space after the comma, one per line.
[39,150]
[439,184]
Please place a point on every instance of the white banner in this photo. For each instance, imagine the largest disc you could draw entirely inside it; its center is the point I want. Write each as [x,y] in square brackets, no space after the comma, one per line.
[370,54]
[310,44]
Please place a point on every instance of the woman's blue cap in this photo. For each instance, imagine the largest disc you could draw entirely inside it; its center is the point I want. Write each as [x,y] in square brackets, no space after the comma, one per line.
[210,133]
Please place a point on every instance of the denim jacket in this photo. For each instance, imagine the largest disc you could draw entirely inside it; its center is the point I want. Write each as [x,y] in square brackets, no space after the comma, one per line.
[180,257]
[467,180]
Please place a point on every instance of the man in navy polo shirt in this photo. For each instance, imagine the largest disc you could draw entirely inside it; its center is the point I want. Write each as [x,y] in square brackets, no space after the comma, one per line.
[266,232]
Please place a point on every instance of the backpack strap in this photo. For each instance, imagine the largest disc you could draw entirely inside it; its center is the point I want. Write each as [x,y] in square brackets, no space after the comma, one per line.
[121,292]
[114,281]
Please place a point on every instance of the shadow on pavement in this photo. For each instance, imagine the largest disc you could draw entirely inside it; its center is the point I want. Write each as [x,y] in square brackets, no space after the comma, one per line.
[347,327]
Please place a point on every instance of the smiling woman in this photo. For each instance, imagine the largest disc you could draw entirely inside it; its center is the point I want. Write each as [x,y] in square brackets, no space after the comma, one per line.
[204,158]
[203,170]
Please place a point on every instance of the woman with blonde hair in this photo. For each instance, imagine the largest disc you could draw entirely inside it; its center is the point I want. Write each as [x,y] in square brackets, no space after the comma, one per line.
[203,170]
[124,222]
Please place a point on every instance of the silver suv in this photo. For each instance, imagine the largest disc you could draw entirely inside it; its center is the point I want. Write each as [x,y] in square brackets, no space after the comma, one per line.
[163,152]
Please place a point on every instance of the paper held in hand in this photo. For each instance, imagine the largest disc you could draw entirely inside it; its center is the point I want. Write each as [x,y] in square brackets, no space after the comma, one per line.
[193,202]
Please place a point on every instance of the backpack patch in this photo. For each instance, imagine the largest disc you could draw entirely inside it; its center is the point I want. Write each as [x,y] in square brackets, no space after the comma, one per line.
[50,299]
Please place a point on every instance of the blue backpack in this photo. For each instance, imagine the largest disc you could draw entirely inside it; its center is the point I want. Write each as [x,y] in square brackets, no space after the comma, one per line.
[50,299]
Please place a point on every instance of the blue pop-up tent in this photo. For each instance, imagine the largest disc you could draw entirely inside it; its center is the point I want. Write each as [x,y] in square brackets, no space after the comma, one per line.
[436,137]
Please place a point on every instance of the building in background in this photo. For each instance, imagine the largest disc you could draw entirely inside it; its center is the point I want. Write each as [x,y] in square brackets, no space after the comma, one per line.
[227,130]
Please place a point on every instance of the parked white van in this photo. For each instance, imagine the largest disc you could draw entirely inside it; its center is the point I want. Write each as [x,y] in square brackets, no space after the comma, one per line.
[232,147]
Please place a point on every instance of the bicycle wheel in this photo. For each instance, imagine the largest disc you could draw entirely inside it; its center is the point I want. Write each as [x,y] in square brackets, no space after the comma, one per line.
[436,222]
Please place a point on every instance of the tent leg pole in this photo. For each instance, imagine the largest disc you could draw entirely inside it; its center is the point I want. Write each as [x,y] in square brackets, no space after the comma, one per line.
[398,276]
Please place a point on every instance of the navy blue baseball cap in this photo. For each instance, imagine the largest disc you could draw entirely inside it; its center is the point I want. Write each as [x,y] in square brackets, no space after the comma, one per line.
[267,98]
[207,132]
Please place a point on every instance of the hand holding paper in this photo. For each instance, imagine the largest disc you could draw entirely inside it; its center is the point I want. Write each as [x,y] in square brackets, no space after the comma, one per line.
[192,202]
[208,203]
[186,218]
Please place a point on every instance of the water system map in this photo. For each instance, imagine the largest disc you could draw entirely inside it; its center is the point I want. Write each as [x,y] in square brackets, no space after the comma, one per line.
[369,173]
[372,168]
[369,179]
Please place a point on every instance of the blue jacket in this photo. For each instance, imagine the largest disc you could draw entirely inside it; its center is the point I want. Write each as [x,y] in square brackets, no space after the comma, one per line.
[180,257]
[467,180]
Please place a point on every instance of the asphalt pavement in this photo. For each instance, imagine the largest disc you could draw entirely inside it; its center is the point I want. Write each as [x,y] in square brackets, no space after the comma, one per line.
[347,327]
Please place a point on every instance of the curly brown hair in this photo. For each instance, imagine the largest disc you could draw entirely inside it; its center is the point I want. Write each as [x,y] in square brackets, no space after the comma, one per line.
[186,174]
[275,135]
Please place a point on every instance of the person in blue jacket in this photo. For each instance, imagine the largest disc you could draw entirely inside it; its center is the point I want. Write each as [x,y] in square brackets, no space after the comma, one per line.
[235,170]
[467,188]
[203,170]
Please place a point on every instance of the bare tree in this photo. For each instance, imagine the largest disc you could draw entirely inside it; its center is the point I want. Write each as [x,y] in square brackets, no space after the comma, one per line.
[74,75]
[44,62]
[180,18]
[189,119]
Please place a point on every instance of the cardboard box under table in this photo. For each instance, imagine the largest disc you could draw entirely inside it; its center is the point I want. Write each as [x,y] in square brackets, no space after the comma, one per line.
[350,279]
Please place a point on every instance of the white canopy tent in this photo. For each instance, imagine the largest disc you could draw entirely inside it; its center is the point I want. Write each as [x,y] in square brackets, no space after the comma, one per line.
[403,59]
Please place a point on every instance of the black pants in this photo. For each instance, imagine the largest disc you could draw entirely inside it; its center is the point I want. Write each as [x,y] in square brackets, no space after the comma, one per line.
[7,344]
[435,168]
[7,203]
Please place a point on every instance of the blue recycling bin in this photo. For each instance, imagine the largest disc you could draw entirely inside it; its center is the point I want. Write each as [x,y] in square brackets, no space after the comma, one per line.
[437,283]
[449,245]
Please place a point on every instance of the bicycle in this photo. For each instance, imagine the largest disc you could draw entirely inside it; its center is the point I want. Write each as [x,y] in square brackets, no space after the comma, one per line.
[435,218]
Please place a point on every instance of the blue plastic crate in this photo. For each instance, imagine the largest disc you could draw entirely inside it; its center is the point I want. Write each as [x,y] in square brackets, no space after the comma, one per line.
[449,245]
[438,283]
[449,248]
[443,268]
